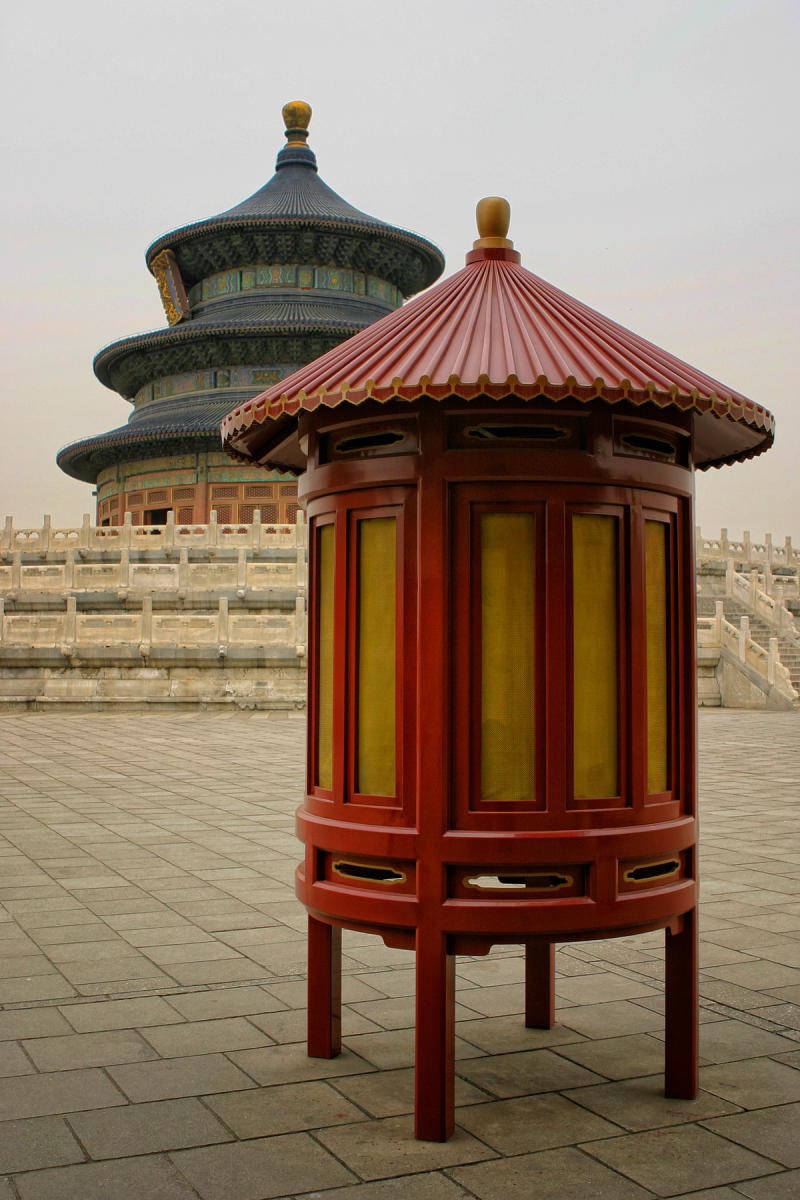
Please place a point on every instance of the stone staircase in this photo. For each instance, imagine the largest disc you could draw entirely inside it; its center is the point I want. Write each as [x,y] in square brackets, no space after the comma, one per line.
[760,632]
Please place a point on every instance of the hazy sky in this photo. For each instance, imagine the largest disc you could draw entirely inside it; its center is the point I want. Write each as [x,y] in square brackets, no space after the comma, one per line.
[648,148]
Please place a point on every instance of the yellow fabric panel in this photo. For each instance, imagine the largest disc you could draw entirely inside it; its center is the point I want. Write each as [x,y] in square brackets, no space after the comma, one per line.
[377,620]
[325,659]
[596,687]
[655,540]
[508,551]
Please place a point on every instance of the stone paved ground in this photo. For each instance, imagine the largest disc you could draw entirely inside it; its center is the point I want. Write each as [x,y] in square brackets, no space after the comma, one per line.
[152,994]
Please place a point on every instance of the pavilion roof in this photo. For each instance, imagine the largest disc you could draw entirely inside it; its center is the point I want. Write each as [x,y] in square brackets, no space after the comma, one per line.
[495,329]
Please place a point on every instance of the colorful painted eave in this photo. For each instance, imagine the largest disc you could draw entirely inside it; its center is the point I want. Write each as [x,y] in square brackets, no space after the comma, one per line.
[495,329]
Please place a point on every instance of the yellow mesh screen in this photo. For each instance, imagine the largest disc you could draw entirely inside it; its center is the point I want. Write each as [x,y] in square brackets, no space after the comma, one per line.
[507,655]
[377,586]
[325,659]
[594,607]
[657,685]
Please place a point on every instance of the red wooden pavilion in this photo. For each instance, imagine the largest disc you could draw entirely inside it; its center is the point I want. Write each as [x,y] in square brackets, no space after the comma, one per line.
[501,746]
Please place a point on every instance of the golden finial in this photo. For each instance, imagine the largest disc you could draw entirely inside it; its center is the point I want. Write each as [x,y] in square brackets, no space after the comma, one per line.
[296,116]
[493,215]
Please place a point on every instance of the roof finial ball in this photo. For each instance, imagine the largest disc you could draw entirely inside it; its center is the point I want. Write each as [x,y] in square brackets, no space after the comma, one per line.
[493,215]
[296,116]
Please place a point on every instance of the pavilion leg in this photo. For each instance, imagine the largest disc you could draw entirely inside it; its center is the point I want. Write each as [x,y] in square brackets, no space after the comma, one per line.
[435,1051]
[324,989]
[681,1011]
[540,985]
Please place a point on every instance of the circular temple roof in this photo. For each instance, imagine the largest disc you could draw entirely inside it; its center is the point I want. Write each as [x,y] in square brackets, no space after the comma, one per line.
[295,218]
[296,203]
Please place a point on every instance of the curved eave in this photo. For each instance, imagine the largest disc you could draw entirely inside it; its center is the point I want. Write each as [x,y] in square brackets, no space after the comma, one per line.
[278,418]
[84,460]
[144,343]
[217,227]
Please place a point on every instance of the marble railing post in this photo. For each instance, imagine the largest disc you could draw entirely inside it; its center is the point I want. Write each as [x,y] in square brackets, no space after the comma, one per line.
[183,570]
[222,626]
[70,621]
[744,638]
[719,617]
[255,531]
[147,626]
[772,659]
[169,532]
[753,589]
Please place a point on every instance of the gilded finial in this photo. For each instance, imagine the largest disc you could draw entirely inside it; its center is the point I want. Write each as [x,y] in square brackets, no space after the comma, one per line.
[296,116]
[493,215]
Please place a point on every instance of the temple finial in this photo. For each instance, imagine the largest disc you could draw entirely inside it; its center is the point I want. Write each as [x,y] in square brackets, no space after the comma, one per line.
[493,215]
[296,116]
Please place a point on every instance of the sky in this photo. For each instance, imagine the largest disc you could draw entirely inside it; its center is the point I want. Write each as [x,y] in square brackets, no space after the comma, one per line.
[648,149]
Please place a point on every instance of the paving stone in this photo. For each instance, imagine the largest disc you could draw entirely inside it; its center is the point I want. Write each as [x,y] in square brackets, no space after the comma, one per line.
[17,965]
[390,1148]
[283,1109]
[499,1001]
[141,1129]
[505,1035]
[36,1143]
[753,1083]
[758,975]
[88,1050]
[57,1092]
[524,1074]
[391,1093]
[291,1064]
[225,1002]
[62,935]
[153,1178]
[14,1061]
[427,1186]
[623,1057]
[287,1026]
[203,1037]
[226,971]
[259,1169]
[530,1123]
[33,988]
[726,1041]
[564,1174]
[163,786]
[785,1186]
[610,1019]
[119,1014]
[774,1132]
[671,1161]
[199,1076]
[638,1104]
[601,988]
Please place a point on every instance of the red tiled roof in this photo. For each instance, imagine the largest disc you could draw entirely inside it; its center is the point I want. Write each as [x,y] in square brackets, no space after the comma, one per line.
[496,329]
